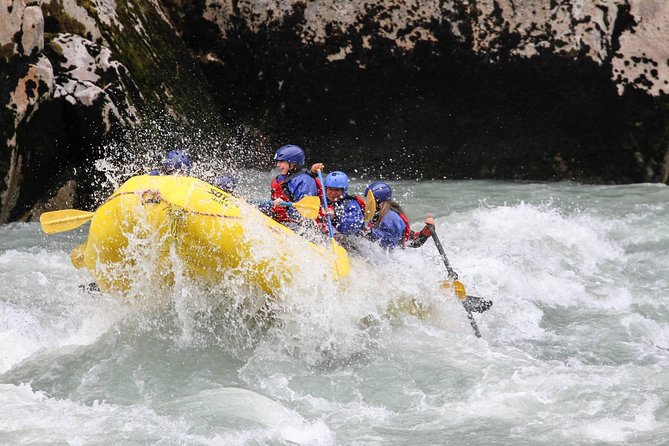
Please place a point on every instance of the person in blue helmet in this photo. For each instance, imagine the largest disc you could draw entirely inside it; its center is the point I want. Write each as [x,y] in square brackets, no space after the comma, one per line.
[225,183]
[292,184]
[347,212]
[176,162]
[389,225]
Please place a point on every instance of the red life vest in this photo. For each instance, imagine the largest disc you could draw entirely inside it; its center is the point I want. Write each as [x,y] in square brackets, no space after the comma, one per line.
[321,221]
[280,190]
[361,202]
[407,229]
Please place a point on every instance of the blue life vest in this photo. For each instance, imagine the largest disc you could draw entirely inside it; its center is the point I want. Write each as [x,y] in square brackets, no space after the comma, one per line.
[349,215]
[393,231]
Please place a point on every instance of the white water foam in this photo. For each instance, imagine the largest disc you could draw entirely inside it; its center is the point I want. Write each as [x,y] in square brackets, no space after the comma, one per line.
[574,349]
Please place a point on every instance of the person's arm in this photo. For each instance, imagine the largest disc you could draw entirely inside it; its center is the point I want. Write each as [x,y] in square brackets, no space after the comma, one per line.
[300,187]
[419,238]
[264,206]
[390,231]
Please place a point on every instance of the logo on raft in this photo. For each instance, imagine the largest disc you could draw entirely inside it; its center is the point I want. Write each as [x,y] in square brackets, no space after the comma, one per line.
[220,197]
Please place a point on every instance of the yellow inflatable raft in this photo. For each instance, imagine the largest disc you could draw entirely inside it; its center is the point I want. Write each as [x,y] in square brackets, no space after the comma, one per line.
[154,224]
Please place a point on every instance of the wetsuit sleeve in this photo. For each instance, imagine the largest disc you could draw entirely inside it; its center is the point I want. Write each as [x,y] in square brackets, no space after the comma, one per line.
[390,232]
[352,220]
[420,237]
[300,187]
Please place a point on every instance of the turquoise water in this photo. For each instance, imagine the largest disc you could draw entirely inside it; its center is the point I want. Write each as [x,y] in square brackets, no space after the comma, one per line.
[574,351]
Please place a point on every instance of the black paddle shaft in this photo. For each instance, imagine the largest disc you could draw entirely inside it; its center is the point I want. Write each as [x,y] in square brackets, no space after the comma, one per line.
[453,276]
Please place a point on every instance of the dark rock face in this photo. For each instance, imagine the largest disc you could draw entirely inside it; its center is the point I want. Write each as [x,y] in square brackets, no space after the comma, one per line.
[487,89]
[74,75]
[62,103]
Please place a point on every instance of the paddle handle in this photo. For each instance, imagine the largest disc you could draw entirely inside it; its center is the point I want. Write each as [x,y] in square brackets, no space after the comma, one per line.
[64,220]
[451,273]
[453,276]
[282,203]
[325,204]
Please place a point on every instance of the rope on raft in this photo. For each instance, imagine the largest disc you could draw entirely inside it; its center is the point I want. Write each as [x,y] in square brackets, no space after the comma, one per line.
[156,198]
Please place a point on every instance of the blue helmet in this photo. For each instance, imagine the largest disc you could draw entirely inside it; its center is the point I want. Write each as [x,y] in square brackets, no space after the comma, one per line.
[381,191]
[176,160]
[290,153]
[225,183]
[337,179]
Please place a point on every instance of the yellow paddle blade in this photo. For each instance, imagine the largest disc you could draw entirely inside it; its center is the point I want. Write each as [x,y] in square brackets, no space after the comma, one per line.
[308,206]
[77,256]
[65,220]
[342,265]
[370,206]
[457,286]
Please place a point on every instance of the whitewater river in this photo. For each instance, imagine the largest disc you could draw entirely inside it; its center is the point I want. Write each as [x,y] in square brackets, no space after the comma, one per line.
[575,349]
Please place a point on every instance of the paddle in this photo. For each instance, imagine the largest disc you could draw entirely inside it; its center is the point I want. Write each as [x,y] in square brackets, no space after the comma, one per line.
[307,206]
[68,219]
[342,266]
[459,288]
[65,220]
[370,206]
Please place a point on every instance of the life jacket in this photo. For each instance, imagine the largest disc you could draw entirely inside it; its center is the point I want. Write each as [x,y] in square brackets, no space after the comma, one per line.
[406,235]
[322,222]
[319,186]
[280,190]
[360,201]
[407,230]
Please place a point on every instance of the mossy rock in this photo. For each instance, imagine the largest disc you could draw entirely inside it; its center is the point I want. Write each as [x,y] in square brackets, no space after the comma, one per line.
[57,21]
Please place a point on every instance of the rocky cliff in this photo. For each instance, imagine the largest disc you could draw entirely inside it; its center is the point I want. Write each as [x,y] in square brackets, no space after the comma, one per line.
[73,73]
[528,89]
[523,89]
